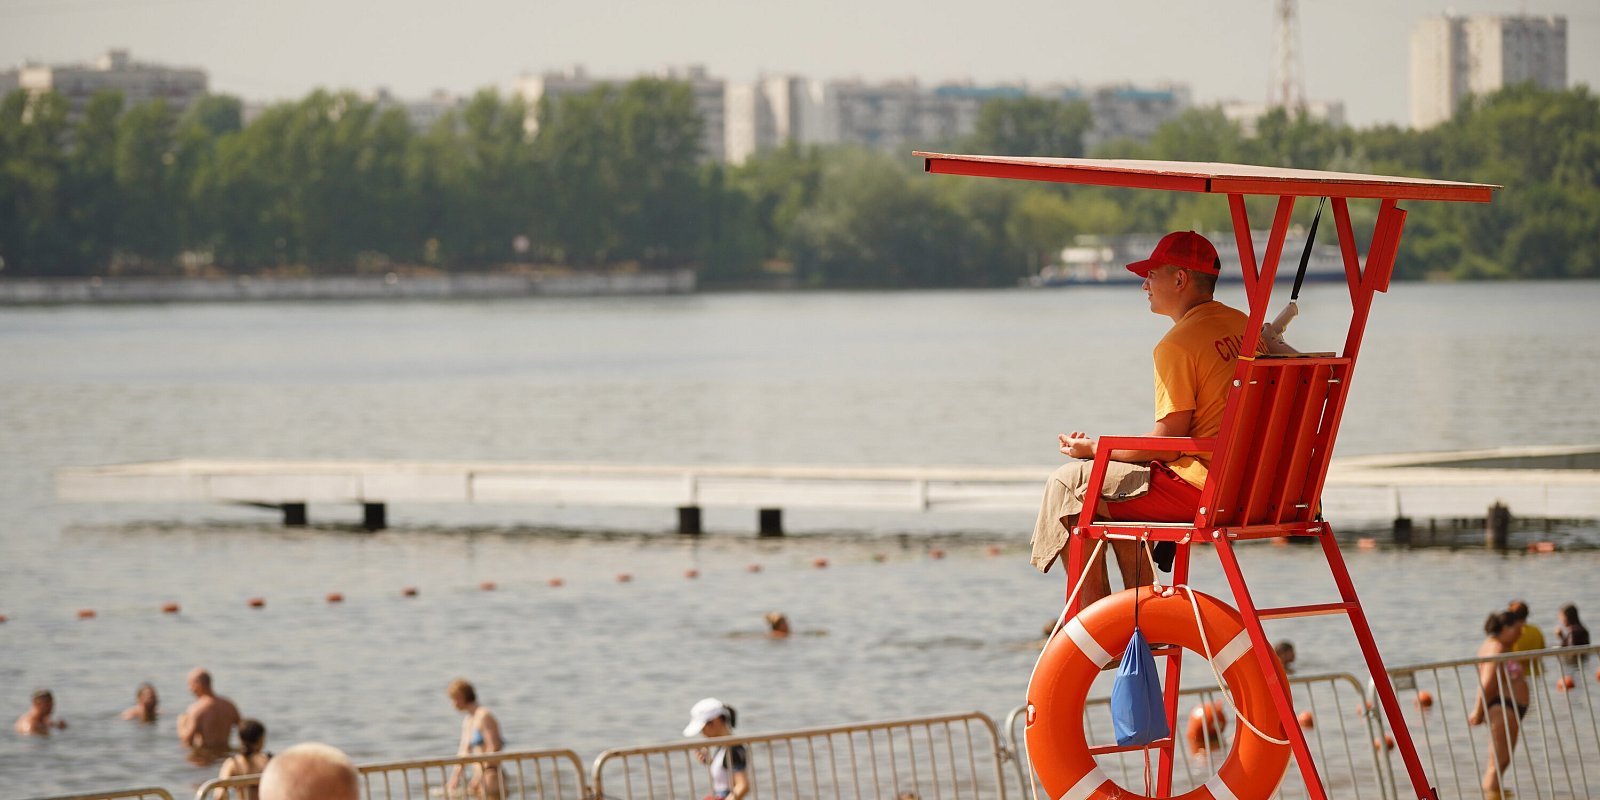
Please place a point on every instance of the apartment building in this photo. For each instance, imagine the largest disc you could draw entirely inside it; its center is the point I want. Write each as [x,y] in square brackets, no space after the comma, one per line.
[709,98]
[115,71]
[1456,56]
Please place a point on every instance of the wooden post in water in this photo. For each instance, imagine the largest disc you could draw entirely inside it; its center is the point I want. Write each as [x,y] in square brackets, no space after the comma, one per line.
[374,516]
[771,521]
[294,515]
[1402,530]
[689,519]
[1497,526]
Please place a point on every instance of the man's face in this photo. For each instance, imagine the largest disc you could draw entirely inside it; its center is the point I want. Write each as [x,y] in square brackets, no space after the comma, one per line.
[1161,288]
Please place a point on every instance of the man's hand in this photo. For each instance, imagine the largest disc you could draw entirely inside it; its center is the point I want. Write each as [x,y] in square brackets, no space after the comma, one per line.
[1076,444]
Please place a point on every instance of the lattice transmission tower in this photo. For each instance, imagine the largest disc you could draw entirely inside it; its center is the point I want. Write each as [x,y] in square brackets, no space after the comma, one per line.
[1287,87]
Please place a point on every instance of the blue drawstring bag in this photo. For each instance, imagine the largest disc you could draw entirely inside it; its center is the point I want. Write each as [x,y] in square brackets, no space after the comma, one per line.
[1138,711]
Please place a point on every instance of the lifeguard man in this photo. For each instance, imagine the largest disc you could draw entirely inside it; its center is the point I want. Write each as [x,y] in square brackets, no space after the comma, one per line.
[1193,370]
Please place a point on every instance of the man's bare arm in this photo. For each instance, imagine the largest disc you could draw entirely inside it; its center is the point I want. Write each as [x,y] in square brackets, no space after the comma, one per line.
[187,723]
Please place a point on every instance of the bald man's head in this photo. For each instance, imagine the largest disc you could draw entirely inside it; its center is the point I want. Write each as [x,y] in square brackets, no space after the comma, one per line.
[310,771]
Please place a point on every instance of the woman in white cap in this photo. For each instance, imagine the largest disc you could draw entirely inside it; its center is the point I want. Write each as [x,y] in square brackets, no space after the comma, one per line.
[729,779]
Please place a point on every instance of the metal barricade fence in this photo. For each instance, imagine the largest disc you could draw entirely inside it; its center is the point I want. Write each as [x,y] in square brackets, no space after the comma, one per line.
[148,793]
[1341,737]
[927,758]
[1557,752]
[525,775]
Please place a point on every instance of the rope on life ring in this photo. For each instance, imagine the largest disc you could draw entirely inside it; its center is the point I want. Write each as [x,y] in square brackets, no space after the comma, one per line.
[1057,746]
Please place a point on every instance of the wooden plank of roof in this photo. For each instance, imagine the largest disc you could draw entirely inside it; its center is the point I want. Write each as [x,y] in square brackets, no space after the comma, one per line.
[1207,177]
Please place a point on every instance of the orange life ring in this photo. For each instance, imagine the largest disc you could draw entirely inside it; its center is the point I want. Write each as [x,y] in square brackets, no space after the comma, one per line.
[1057,746]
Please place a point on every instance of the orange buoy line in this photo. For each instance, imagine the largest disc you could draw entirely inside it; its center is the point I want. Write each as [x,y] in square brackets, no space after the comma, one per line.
[335,597]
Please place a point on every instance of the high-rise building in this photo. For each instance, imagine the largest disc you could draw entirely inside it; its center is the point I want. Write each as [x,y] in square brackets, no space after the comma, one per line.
[746,118]
[709,98]
[115,71]
[775,111]
[899,115]
[1454,56]
[1124,111]
[421,114]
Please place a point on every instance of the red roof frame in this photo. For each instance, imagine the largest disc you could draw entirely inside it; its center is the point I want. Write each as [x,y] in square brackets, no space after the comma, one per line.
[1207,177]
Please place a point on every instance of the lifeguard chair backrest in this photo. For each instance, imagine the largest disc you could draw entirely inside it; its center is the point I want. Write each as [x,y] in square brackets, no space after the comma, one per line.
[1277,436]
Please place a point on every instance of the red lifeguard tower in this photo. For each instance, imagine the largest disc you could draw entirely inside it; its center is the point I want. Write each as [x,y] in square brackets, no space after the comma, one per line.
[1268,463]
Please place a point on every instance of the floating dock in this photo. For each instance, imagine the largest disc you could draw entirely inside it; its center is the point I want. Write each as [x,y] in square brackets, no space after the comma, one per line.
[1532,482]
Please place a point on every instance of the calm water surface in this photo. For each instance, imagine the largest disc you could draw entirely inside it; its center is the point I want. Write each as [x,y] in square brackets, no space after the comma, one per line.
[934,378]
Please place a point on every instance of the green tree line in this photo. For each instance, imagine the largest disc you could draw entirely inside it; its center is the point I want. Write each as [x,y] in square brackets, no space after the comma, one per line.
[333,183]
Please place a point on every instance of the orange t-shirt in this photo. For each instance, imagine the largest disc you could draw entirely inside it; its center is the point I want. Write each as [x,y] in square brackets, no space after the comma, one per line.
[1194,368]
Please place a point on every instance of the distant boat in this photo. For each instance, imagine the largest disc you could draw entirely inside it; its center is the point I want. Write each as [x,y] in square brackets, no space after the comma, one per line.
[1103,259]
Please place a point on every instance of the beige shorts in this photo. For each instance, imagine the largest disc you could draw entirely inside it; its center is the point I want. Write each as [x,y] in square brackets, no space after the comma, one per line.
[1063,498]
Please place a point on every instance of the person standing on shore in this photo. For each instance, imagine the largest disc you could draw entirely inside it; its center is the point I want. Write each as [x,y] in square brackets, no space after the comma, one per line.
[206,725]
[36,720]
[311,771]
[251,759]
[480,733]
[1502,697]
[730,778]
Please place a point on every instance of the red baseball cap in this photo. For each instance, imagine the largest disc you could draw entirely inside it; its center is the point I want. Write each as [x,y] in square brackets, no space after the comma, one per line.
[1185,249]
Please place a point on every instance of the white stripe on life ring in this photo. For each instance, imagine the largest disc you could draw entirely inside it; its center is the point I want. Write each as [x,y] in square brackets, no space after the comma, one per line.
[1220,790]
[1086,644]
[1235,649]
[1086,786]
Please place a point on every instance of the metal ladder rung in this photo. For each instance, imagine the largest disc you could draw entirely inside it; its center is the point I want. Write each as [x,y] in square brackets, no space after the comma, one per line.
[1316,609]
[1105,749]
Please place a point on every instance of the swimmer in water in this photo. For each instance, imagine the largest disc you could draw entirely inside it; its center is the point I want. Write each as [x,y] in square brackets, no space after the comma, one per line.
[144,704]
[36,720]
[777,625]
[208,722]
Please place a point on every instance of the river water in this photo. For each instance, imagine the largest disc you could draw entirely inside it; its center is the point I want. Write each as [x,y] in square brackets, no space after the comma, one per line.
[926,378]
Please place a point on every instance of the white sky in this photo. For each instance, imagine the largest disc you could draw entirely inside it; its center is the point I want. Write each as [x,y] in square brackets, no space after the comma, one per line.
[1352,50]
